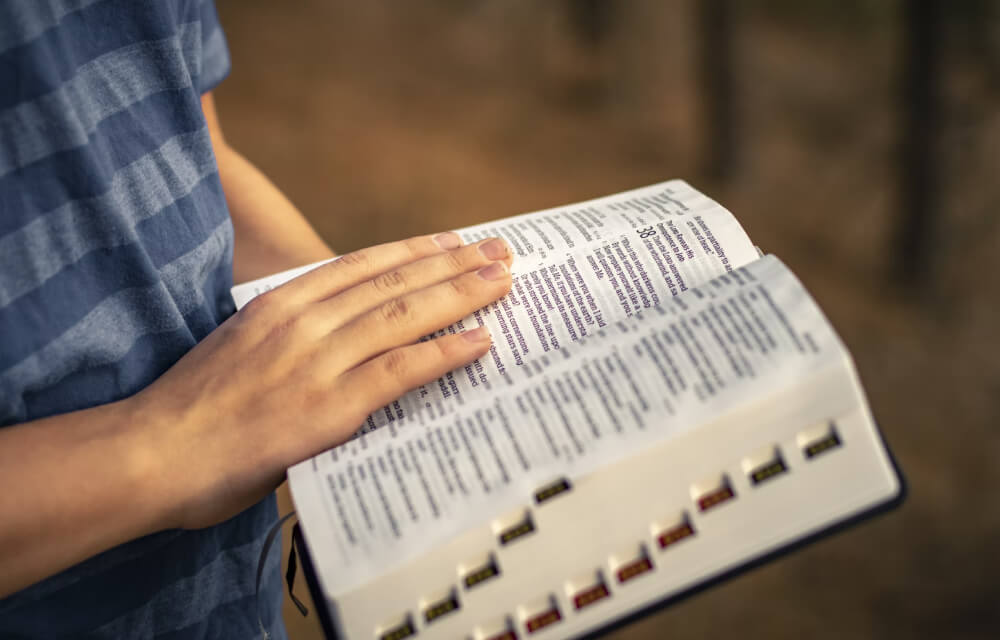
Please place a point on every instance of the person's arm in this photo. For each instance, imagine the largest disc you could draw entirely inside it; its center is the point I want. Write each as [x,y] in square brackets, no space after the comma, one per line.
[293,373]
[271,235]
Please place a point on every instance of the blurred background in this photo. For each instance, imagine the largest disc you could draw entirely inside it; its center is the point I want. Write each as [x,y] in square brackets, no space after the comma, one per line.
[859,140]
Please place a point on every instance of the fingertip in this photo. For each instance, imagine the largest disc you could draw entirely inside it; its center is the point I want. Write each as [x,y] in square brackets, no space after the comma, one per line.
[477,336]
[494,249]
[494,271]
[448,240]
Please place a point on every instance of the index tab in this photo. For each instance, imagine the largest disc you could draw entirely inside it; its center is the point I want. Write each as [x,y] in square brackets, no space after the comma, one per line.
[669,532]
[550,491]
[540,614]
[631,564]
[587,589]
[764,465]
[819,439]
[502,629]
[475,573]
[398,629]
[515,526]
[712,492]
[441,605]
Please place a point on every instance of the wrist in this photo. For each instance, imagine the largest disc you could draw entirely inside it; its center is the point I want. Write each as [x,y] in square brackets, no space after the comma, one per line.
[152,490]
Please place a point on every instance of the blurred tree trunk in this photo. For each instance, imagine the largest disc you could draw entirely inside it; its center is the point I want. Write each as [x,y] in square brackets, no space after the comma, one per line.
[591,20]
[920,152]
[716,30]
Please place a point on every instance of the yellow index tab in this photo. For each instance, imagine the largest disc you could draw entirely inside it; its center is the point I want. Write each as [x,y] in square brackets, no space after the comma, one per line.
[552,490]
[404,630]
[768,471]
[440,608]
[520,529]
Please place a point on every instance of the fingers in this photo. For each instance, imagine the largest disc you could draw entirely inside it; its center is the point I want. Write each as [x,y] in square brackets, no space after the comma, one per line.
[404,319]
[387,377]
[410,277]
[358,266]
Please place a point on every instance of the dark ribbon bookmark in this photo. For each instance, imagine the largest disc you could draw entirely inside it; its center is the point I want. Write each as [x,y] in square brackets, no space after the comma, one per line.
[272,535]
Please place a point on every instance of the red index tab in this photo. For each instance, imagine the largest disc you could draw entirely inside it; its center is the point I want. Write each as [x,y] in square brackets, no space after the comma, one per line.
[590,596]
[675,535]
[634,569]
[715,498]
[543,620]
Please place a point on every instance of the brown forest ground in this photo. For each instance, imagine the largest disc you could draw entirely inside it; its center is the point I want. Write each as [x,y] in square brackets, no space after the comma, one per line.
[383,120]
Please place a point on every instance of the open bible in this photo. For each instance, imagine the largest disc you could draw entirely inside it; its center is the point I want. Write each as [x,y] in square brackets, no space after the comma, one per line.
[661,406]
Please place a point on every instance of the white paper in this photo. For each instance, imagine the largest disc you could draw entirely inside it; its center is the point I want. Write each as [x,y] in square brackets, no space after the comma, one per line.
[379,500]
[247,291]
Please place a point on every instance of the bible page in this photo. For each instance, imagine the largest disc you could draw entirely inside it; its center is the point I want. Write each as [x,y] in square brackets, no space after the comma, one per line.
[577,269]
[384,498]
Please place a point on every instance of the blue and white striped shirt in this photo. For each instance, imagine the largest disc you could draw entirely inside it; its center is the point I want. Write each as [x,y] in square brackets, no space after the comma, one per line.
[115,260]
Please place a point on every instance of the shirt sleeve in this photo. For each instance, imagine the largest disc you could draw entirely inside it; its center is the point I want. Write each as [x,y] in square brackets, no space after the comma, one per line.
[215,62]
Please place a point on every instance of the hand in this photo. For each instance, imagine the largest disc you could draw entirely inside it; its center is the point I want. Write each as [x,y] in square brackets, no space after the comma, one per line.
[300,367]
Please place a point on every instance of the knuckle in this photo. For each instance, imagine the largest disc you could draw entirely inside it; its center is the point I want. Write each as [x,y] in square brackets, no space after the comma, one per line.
[441,351]
[278,330]
[301,324]
[460,287]
[395,364]
[294,328]
[455,261]
[261,306]
[458,261]
[356,260]
[396,310]
[269,317]
[389,282]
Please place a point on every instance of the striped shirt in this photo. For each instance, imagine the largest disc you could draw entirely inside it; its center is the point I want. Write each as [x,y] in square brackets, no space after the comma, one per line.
[115,260]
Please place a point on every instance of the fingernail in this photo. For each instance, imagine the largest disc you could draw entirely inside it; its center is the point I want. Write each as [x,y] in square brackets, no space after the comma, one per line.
[448,240]
[495,249]
[479,334]
[493,271]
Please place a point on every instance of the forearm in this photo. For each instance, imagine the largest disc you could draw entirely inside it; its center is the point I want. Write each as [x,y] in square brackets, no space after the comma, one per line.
[271,234]
[292,374]
[74,485]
